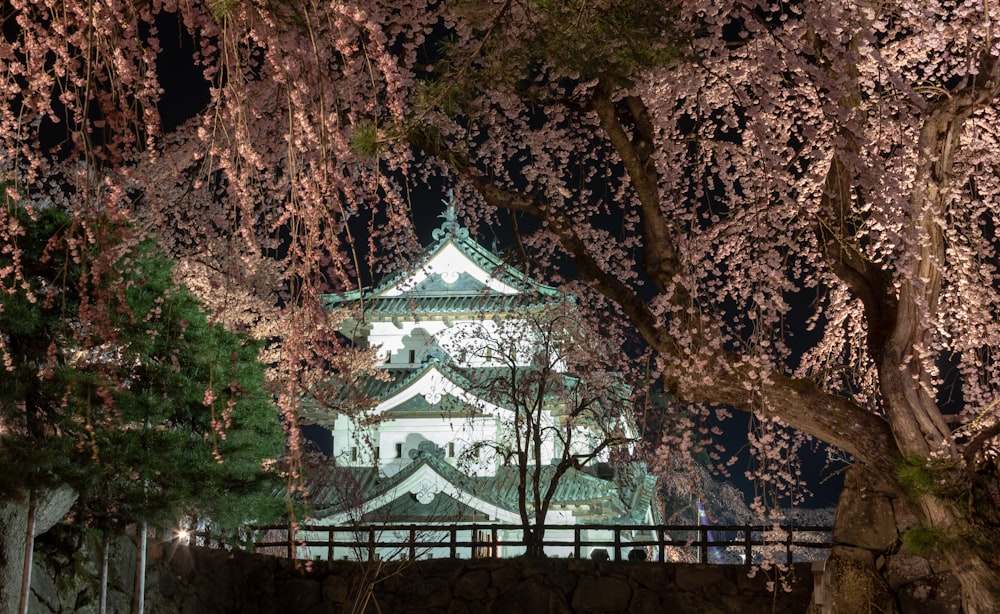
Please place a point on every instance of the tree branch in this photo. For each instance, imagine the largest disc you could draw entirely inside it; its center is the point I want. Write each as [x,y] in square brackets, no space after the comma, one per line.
[660,257]
[798,403]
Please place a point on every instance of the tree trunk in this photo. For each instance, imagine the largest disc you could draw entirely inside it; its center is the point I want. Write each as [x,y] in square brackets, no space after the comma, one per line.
[102,603]
[980,580]
[533,537]
[870,568]
[29,550]
[139,598]
[51,505]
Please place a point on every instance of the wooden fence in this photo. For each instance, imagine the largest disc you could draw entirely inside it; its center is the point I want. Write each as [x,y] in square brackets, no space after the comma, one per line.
[713,544]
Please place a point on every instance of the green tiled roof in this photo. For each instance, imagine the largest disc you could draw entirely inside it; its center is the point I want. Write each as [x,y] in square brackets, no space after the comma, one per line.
[465,295]
[335,489]
[408,509]
[480,303]
[475,380]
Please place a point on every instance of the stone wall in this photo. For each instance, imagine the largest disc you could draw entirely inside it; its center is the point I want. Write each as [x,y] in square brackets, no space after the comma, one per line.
[192,580]
[870,569]
[213,581]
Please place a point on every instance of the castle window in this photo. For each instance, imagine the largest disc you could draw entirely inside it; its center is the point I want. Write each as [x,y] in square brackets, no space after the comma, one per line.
[399,450]
[354,454]
[451,449]
[413,356]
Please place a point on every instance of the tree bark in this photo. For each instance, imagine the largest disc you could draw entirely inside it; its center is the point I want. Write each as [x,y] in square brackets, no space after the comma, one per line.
[979,579]
[29,550]
[139,598]
[102,602]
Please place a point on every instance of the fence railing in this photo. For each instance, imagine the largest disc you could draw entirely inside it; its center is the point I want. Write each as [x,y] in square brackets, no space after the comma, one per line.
[712,544]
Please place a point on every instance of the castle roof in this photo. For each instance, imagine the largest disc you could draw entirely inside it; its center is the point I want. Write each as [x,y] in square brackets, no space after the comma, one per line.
[454,275]
[368,496]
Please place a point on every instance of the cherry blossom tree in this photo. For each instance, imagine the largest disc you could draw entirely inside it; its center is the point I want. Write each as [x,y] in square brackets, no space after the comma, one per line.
[566,410]
[794,204]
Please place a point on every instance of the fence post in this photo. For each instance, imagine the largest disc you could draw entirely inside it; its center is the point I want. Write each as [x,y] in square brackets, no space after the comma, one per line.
[788,546]
[703,540]
[748,545]
[661,535]
[488,536]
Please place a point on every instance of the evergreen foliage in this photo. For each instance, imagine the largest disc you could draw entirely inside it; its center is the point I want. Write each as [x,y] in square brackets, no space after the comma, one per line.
[149,415]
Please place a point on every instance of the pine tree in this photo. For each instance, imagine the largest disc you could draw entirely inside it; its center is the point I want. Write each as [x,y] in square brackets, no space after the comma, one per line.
[150,414]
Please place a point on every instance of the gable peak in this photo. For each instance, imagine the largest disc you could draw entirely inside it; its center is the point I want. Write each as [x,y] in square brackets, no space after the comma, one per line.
[450,226]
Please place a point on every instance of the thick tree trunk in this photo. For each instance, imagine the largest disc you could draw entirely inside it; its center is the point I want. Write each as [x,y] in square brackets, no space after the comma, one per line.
[870,567]
[980,579]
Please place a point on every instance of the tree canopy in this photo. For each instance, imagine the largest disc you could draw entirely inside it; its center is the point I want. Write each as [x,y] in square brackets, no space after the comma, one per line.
[116,384]
[794,204]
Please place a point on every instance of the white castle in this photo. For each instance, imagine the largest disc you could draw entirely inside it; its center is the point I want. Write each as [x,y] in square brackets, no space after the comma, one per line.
[422,460]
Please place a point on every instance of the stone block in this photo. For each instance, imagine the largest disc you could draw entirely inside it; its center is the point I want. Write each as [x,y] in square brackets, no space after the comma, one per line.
[473,585]
[653,576]
[300,595]
[865,519]
[906,568]
[181,561]
[696,577]
[938,594]
[563,579]
[459,607]
[854,584]
[534,567]
[448,569]
[502,578]
[336,589]
[430,593]
[530,597]
[903,515]
[601,593]
[645,602]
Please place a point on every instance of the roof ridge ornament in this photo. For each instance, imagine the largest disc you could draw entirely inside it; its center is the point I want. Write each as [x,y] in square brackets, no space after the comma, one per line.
[450,225]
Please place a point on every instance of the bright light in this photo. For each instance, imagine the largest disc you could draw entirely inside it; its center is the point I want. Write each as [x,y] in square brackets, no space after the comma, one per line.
[183,535]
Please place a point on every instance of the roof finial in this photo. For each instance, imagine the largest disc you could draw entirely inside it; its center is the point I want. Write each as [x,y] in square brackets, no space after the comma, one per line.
[449,212]
[450,225]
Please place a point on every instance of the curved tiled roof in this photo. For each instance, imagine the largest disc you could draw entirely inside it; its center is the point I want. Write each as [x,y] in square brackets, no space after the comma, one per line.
[465,295]
[408,304]
[336,489]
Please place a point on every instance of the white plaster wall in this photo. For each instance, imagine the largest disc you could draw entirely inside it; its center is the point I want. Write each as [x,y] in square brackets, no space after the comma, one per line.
[449,261]
[453,436]
[463,340]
